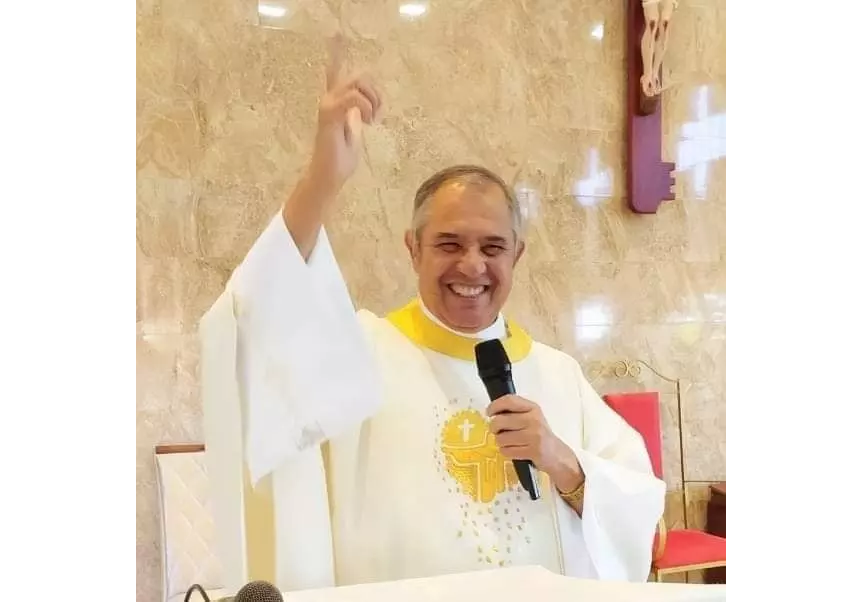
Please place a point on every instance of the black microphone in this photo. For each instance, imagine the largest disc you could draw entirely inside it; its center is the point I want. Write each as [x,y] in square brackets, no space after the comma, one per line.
[254,591]
[495,370]
[258,591]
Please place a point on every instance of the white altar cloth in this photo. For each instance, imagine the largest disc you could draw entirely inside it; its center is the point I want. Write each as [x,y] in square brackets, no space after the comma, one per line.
[519,584]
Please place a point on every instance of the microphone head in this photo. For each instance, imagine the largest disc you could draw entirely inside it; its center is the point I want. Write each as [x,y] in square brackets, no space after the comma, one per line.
[258,591]
[491,356]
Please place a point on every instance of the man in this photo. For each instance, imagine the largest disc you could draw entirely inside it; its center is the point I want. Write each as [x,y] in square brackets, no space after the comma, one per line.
[346,448]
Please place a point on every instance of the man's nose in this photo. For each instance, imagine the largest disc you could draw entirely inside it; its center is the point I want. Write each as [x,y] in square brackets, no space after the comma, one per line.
[472,264]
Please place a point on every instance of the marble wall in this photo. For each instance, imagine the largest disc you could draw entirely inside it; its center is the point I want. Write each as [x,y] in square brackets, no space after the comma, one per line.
[535,89]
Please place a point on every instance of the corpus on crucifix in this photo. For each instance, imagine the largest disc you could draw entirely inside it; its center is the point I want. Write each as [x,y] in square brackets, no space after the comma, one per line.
[657,18]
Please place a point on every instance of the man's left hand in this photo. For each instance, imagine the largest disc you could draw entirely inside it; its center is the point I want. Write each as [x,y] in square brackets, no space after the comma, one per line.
[523,434]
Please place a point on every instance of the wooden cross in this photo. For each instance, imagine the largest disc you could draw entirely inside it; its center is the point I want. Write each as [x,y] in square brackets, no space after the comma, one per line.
[649,179]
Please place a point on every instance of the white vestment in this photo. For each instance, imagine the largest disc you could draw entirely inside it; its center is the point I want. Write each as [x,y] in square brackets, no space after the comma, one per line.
[343,449]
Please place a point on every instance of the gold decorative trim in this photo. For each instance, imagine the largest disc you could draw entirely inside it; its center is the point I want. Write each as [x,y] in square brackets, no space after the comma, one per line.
[624,368]
[691,567]
[259,518]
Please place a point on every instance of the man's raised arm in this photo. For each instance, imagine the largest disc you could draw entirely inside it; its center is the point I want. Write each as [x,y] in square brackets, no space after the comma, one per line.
[284,361]
[298,357]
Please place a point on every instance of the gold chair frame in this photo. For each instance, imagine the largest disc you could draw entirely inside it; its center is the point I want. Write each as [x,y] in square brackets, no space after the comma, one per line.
[632,368]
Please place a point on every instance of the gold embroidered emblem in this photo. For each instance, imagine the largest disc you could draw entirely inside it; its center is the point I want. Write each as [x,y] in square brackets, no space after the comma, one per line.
[473,458]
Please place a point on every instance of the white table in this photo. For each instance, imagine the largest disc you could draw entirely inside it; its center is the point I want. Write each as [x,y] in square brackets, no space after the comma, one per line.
[520,584]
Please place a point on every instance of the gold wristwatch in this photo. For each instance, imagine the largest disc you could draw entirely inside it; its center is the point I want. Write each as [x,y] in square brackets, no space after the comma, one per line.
[576,496]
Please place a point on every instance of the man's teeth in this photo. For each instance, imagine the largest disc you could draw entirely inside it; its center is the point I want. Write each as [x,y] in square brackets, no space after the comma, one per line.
[466,291]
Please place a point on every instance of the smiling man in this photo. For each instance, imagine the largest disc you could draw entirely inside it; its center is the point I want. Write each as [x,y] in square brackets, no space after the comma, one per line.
[465,240]
[346,447]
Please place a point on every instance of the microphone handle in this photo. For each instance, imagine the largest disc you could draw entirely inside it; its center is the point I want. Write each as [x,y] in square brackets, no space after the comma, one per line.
[498,387]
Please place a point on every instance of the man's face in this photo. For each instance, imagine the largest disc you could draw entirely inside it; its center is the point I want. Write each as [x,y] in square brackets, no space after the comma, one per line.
[466,255]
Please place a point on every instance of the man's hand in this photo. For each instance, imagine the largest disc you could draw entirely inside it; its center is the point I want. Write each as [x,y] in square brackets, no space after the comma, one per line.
[350,100]
[523,434]
[347,103]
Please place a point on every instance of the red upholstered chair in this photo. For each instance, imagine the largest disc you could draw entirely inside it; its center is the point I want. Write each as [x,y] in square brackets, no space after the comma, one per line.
[677,550]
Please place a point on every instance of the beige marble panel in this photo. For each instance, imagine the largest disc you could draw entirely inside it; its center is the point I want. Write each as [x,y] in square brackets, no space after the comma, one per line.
[209,13]
[231,214]
[168,389]
[624,294]
[175,293]
[169,141]
[697,497]
[156,376]
[673,510]
[698,43]
[166,220]
[148,7]
[226,97]
[703,417]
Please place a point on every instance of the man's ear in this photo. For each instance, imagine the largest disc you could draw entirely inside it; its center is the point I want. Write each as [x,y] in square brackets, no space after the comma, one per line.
[412,248]
[519,251]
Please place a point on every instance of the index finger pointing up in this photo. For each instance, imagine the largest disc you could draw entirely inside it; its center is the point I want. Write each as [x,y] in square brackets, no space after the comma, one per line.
[336,60]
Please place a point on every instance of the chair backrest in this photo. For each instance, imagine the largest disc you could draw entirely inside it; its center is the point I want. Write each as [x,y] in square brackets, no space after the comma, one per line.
[642,412]
[189,553]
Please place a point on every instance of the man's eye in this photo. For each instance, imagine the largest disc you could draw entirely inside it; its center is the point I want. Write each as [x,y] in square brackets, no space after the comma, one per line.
[449,247]
[492,250]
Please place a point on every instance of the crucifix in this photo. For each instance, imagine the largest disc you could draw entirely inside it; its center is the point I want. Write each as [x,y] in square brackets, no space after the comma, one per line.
[649,178]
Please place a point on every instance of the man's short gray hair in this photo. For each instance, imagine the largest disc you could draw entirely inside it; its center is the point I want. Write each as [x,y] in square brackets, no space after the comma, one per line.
[465,174]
